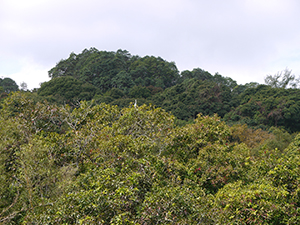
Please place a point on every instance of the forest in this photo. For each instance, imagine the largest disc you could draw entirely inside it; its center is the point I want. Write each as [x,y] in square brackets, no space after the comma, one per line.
[115,138]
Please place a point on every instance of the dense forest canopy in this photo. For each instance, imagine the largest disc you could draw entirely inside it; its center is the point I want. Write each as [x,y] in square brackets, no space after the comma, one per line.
[120,69]
[101,164]
[67,88]
[268,106]
[119,78]
[119,139]
[8,85]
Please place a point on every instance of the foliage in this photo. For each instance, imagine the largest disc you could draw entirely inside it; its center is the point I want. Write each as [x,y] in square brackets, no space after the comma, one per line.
[119,78]
[265,106]
[283,79]
[8,85]
[154,71]
[106,70]
[253,138]
[197,73]
[67,89]
[192,97]
[175,205]
[257,203]
[139,92]
[280,140]
[102,164]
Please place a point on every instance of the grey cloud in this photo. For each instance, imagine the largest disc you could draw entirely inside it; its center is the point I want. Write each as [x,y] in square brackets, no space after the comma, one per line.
[231,37]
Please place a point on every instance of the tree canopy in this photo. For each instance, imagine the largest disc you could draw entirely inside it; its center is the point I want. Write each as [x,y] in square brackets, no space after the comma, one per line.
[266,106]
[119,139]
[66,89]
[101,164]
[106,70]
[8,85]
[283,79]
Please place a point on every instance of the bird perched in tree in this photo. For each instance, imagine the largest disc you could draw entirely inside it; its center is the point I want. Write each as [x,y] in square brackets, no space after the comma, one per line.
[135,104]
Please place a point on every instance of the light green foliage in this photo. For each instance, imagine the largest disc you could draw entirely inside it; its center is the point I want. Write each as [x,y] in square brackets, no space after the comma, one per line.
[257,203]
[29,173]
[270,192]
[101,164]
[189,140]
[10,189]
[35,116]
[175,205]
[280,140]
[43,181]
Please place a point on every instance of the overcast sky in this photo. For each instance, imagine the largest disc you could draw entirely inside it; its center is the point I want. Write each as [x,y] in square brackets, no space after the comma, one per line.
[242,39]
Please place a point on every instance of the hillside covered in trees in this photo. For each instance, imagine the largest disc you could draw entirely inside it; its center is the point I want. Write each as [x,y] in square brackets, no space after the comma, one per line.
[118,78]
[201,150]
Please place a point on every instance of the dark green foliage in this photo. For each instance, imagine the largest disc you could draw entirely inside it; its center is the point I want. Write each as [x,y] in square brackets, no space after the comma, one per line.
[196,73]
[99,68]
[154,90]
[116,93]
[106,70]
[8,85]
[267,106]
[193,96]
[121,76]
[154,71]
[139,92]
[226,81]
[66,89]
[122,80]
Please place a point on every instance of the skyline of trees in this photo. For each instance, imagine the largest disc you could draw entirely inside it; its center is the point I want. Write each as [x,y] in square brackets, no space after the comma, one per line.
[119,78]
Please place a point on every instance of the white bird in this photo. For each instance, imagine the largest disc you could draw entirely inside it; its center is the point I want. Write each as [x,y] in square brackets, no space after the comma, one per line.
[135,104]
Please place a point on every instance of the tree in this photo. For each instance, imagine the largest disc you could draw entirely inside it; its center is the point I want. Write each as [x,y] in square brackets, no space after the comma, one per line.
[193,96]
[196,73]
[9,85]
[139,92]
[102,69]
[68,89]
[154,71]
[266,106]
[122,80]
[227,81]
[134,166]
[23,86]
[283,79]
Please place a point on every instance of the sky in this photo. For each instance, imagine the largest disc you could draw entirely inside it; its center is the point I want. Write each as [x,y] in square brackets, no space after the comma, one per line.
[245,40]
